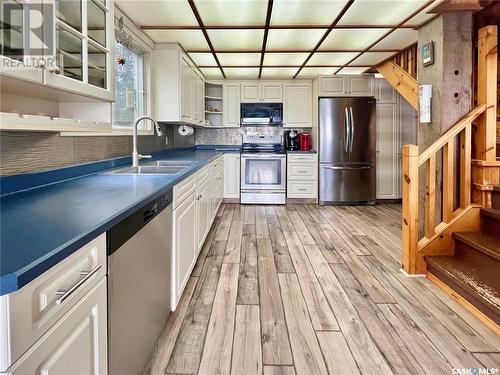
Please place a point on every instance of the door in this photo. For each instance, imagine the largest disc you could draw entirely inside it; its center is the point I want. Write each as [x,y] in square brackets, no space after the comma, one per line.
[361,85]
[386,151]
[250,92]
[202,215]
[347,184]
[362,131]
[271,92]
[16,45]
[186,91]
[330,86]
[263,172]
[231,105]
[297,106]
[76,344]
[231,176]
[185,245]
[334,136]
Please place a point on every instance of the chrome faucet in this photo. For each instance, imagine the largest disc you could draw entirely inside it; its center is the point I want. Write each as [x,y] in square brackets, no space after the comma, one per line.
[135,155]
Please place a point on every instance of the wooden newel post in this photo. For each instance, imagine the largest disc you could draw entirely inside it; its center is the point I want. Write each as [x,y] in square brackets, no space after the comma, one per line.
[410,208]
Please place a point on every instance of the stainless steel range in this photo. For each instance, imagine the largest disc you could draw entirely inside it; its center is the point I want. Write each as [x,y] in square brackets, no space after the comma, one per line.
[263,170]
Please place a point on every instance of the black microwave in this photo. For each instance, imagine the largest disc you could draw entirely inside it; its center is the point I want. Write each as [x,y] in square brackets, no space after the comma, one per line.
[261,114]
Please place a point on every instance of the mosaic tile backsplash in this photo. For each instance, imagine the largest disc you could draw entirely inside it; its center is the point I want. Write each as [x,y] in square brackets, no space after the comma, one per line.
[230,136]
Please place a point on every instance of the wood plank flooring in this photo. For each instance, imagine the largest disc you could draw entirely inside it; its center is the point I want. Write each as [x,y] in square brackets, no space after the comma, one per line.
[308,289]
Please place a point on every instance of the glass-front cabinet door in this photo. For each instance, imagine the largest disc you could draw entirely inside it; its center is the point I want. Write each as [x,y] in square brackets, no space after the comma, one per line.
[83,40]
[22,56]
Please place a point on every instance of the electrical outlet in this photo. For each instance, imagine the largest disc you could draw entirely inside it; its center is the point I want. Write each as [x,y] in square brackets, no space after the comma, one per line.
[166,140]
[233,140]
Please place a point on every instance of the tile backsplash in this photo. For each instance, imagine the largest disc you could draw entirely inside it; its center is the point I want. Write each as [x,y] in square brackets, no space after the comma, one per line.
[229,136]
[24,152]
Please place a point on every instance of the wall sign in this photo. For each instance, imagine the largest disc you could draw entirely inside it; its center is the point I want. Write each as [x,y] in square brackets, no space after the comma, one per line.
[428,53]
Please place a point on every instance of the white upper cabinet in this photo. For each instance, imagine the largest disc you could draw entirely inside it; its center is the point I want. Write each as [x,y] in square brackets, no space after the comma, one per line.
[231,105]
[79,56]
[178,94]
[352,85]
[261,91]
[297,104]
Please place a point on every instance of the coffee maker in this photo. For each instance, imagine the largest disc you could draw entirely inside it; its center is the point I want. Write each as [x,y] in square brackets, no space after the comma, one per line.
[291,139]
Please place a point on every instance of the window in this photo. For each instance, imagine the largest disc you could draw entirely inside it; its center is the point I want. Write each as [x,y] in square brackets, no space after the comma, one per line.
[129,86]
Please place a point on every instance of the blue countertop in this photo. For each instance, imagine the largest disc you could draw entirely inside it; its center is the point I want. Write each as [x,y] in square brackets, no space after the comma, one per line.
[41,225]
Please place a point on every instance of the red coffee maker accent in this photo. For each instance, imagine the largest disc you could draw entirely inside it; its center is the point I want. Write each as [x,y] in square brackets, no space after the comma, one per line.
[305,141]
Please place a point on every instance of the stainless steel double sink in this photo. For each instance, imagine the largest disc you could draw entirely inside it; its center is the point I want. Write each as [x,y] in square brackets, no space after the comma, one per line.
[163,167]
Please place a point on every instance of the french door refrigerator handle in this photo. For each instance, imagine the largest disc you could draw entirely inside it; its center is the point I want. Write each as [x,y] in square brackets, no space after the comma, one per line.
[346,130]
[351,121]
[348,168]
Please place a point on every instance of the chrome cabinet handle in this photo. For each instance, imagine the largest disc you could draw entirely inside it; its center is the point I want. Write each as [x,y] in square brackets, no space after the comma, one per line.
[346,130]
[65,294]
[348,168]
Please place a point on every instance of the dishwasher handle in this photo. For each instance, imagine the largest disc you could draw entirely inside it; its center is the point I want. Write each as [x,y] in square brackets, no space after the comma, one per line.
[149,214]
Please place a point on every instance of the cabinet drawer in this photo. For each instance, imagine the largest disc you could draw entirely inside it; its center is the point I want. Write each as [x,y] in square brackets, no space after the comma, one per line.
[301,171]
[32,310]
[301,158]
[202,175]
[302,189]
[183,190]
[76,344]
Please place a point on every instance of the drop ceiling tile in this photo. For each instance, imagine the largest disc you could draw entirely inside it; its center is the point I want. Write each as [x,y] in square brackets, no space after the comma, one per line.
[241,72]
[372,58]
[379,12]
[238,59]
[165,13]
[354,70]
[348,39]
[398,39]
[203,58]
[189,39]
[234,12]
[293,59]
[211,72]
[313,72]
[331,58]
[293,39]
[236,39]
[421,17]
[311,12]
[279,72]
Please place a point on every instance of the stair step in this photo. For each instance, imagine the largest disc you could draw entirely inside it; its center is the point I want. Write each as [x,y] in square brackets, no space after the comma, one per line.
[478,282]
[495,196]
[484,243]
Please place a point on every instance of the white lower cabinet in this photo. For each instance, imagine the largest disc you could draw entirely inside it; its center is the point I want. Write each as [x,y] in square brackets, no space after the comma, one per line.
[195,204]
[232,176]
[76,344]
[302,176]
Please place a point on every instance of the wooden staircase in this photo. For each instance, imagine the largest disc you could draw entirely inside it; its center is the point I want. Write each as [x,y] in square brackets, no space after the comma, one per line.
[473,270]
[455,242]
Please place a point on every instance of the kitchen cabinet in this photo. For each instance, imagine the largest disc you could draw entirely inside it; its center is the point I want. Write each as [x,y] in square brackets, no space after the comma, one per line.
[396,126]
[346,85]
[232,176]
[297,104]
[178,89]
[231,105]
[302,176]
[185,245]
[203,207]
[82,57]
[261,91]
[76,344]
[29,313]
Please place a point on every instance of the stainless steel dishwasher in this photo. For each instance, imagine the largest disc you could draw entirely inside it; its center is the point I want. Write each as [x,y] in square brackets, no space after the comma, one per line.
[139,258]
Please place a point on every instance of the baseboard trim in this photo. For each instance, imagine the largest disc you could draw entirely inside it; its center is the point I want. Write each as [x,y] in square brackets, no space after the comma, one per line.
[301,200]
[231,200]
[412,276]
[466,304]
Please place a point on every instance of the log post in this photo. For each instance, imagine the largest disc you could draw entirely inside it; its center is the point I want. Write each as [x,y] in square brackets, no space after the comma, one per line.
[410,209]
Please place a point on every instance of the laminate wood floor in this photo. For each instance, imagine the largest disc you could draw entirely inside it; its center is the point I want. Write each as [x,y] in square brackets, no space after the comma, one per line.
[308,289]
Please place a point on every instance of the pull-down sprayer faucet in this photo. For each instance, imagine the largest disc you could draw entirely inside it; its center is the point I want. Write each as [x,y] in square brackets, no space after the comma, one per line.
[135,155]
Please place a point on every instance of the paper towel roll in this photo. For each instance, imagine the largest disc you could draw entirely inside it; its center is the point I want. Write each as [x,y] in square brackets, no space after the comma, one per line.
[185,130]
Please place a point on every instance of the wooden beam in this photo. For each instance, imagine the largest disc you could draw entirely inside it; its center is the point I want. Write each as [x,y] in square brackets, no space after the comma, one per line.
[487,93]
[334,23]
[453,6]
[266,32]
[271,27]
[465,166]
[410,209]
[430,196]
[448,180]
[402,81]
[205,34]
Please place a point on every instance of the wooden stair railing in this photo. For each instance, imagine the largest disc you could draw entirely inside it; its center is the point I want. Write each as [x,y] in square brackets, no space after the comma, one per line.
[414,247]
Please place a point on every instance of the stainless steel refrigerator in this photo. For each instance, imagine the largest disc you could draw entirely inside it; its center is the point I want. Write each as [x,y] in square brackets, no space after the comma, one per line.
[347,140]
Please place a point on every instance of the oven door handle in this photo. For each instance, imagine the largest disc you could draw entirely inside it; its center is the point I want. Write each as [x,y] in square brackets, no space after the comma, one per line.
[263,156]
